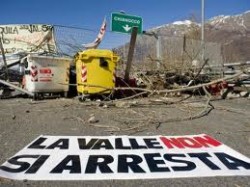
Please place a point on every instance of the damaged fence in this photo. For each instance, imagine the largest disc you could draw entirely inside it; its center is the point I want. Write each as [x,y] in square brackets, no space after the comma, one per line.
[70,40]
[177,54]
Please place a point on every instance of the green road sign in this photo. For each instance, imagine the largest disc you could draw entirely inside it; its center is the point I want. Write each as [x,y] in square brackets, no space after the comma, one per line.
[124,23]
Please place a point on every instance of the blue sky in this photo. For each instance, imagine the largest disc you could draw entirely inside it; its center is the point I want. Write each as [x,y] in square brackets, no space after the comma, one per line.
[90,13]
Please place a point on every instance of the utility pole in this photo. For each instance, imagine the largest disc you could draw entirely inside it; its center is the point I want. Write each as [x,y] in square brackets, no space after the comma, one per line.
[202,28]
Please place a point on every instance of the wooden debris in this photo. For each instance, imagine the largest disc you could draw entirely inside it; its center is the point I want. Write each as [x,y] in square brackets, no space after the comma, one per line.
[16,87]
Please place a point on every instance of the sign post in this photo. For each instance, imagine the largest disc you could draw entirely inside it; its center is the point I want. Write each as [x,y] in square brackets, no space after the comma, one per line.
[130,52]
[124,23]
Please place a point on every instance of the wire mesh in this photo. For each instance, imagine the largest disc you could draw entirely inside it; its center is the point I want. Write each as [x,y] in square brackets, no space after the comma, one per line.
[70,40]
[173,54]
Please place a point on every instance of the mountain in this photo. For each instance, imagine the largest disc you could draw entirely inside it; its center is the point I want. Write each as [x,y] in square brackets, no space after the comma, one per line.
[177,28]
[232,32]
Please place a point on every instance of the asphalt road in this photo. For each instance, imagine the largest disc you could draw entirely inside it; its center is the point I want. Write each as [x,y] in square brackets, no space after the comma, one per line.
[22,120]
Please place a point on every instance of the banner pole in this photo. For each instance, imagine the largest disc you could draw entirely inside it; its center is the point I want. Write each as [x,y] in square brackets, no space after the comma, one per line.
[4,60]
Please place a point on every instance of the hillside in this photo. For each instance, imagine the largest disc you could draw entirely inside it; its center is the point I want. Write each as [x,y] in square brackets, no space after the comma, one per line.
[232,32]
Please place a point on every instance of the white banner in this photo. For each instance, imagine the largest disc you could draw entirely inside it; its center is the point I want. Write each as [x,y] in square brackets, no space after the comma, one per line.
[27,38]
[124,157]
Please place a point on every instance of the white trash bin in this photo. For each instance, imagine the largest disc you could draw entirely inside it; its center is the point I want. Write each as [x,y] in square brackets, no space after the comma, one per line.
[47,74]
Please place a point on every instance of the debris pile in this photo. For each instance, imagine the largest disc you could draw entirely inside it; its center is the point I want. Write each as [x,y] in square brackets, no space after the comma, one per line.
[40,72]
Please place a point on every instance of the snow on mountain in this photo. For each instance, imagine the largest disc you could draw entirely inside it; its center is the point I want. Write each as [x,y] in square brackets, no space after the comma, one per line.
[177,23]
[186,22]
[177,28]
[218,19]
[225,22]
[235,22]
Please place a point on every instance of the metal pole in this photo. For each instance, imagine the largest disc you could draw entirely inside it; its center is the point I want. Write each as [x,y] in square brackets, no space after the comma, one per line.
[202,27]
[158,52]
[4,60]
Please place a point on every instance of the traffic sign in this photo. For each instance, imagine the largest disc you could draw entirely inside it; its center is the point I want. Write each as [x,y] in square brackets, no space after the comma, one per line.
[124,23]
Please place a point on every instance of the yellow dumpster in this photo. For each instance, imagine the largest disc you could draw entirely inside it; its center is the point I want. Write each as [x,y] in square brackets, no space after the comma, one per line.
[95,71]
